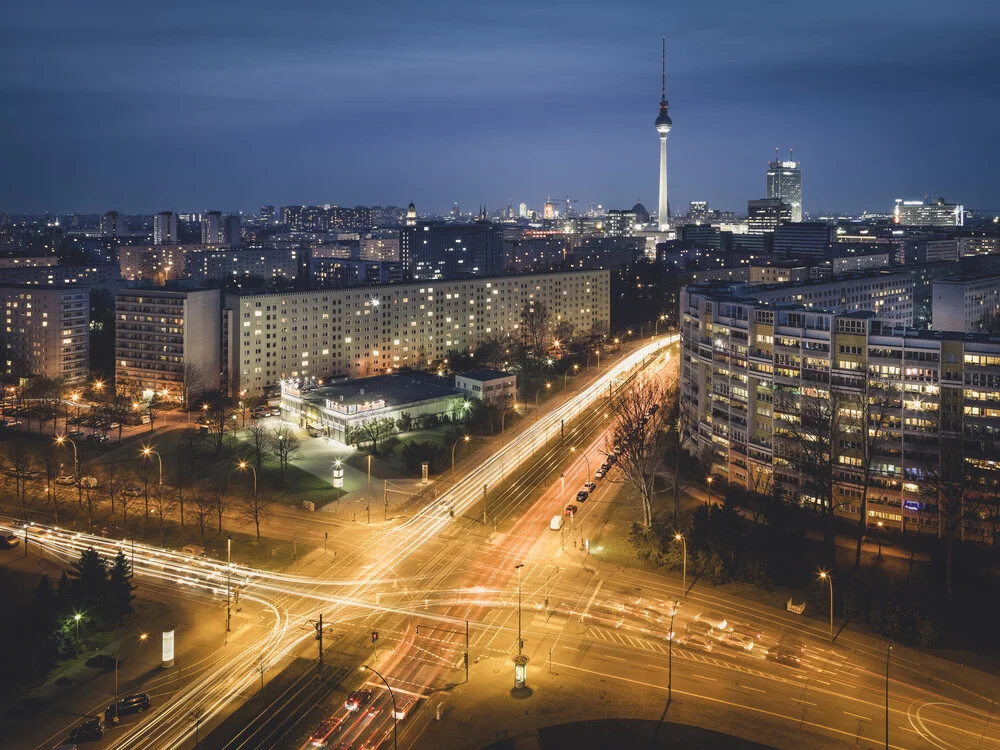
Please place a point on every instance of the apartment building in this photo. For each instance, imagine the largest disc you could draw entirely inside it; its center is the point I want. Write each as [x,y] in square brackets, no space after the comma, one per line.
[158,263]
[960,303]
[164,338]
[46,331]
[363,331]
[282,265]
[750,369]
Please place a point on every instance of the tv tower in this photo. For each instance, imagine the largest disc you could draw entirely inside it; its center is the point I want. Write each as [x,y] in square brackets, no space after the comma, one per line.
[663,125]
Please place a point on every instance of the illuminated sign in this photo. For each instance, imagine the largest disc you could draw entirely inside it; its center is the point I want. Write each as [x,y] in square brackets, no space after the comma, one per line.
[912,505]
[355,408]
[168,646]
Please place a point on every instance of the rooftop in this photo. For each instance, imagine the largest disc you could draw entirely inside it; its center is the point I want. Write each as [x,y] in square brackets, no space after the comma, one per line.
[393,390]
[486,375]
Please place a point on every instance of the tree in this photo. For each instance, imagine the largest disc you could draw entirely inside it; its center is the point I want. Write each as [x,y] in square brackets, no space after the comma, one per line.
[285,446]
[258,439]
[221,502]
[164,503]
[221,419]
[119,596]
[374,433]
[88,581]
[192,384]
[20,468]
[50,463]
[948,489]
[810,429]
[535,323]
[563,331]
[253,510]
[113,484]
[642,439]
[202,509]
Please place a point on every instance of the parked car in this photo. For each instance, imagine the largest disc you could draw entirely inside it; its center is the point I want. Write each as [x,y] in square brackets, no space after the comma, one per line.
[358,699]
[582,495]
[735,640]
[276,412]
[590,486]
[66,480]
[324,731]
[133,704]
[714,619]
[612,458]
[570,510]
[599,474]
[696,643]
[74,433]
[9,541]
[88,481]
[556,523]
[90,730]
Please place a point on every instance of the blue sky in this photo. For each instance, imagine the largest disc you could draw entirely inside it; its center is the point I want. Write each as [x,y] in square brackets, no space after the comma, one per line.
[227,105]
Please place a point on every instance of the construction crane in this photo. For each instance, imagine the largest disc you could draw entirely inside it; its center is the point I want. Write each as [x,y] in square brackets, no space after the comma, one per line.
[569,206]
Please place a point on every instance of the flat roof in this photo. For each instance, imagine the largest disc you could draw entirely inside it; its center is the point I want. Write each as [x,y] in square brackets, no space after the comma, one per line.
[485,375]
[394,390]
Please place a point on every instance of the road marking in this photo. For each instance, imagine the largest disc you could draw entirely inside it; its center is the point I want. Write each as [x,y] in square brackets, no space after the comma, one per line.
[799,700]
[859,716]
[704,677]
[592,598]
[747,687]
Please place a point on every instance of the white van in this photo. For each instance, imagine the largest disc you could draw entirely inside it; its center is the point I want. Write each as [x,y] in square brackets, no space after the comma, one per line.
[556,523]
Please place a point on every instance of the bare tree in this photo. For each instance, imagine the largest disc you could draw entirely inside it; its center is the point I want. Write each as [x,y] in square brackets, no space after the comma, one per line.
[948,488]
[202,510]
[810,429]
[19,469]
[872,410]
[536,320]
[91,500]
[50,464]
[640,434]
[373,432]
[192,383]
[254,509]
[113,484]
[259,442]
[221,422]
[221,501]
[129,498]
[164,504]
[285,445]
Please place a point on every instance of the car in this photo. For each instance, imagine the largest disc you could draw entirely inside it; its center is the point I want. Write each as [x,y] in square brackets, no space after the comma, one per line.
[612,458]
[784,655]
[359,698]
[88,481]
[737,641]
[696,643]
[556,523]
[570,510]
[326,729]
[599,474]
[9,541]
[792,643]
[582,495]
[92,729]
[66,480]
[97,437]
[402,710]
[745,628]
[74,433]
[617,450]
[131,704]
[590,486]
[114,425]
[276,412]
[193,549]
[701,629]
[714,619]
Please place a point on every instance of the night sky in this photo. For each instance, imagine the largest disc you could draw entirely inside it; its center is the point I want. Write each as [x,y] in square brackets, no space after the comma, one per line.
[226,105]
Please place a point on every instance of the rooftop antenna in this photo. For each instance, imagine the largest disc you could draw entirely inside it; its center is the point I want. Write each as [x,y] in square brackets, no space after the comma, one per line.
[776,157]
[663,71]
[791,154]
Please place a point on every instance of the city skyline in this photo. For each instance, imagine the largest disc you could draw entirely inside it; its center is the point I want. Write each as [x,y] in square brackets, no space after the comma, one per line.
[275,110]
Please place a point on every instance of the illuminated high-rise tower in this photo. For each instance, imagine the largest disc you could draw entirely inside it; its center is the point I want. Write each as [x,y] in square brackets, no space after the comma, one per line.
[663,125]
[784,180]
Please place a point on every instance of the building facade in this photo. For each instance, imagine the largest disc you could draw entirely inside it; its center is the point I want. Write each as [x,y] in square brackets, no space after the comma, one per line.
[784,181]
[755,378]
[168,340]
[937,213]
[165,228]
[365,331]
[234,265]
[494,387]
[442,251]
[764,215]
[157,263]
[46,332]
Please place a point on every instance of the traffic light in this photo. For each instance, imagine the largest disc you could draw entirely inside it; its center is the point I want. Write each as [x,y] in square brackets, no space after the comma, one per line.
[319,631]
[374,636]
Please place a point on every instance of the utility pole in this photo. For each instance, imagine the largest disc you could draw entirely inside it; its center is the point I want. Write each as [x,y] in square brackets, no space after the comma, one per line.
[385,500]
[319,639]
[484,504]
[229,578]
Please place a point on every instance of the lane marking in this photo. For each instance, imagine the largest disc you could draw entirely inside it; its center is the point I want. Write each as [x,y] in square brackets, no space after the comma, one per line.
[859,716]
[704,677]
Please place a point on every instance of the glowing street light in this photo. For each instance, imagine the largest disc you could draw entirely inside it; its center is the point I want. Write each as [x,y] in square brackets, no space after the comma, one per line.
[147,451]
[463,439]
[829,579]
[141,637]
[243,466]
[395,711]
[684,551]
[585,458]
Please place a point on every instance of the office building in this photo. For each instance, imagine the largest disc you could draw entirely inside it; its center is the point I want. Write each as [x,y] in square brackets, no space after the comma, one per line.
[936,213]
[364,331]
[113,226]
[749,369]
[445,251]
[960,303]
[338,273]
[212,232]
[620,223]
[165,340]
[380,248]
[46,332]
[807,239]
[663,126]
[764,215]
[888,295]
[784,182]
[28,261]
[267,214]
[165,228]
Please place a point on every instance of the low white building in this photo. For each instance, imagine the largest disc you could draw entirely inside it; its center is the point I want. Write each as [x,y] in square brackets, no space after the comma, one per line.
[494,387]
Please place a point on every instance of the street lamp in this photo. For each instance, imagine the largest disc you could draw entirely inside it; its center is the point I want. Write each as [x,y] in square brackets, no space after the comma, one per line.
[585,458]
[365,667]
[76,618]
[503,418]
[708,481]
[879,524]
[147,451]
[519,642]
[576,368]
[243,466]
[656,325]
[463,439]
[76,464]
[141,637]
[829,579]
[546,387]
[684,551]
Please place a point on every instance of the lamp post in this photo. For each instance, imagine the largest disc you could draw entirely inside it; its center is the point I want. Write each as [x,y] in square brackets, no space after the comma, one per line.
[708,481]
[141,637]
[576,369]
[829,579]
[684,551]
[598,353]
[585,458]
[365,667]
[880,525]
[243,466]
[76,467]
[76,618]
[368,497]
[503,418]
[147,451]
[546,387]
[519,642]
[656,325]
[463,439]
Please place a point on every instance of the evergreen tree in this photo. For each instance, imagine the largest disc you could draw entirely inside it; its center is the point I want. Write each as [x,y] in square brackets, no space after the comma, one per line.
[89,582]
[118,603]
[44,624]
